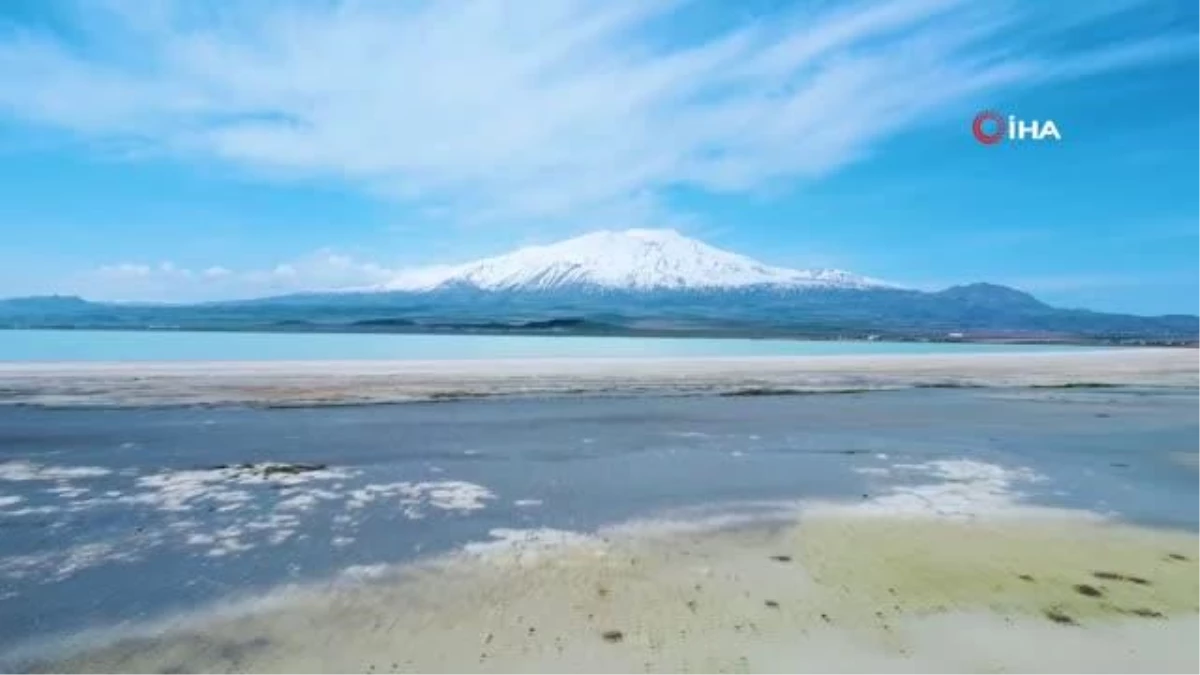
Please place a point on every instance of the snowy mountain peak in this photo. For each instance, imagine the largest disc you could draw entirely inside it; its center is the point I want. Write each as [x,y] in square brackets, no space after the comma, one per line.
[636,259]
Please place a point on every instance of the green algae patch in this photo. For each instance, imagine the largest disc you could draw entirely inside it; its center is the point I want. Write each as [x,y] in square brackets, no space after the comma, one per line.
[843,593]
[1069,571]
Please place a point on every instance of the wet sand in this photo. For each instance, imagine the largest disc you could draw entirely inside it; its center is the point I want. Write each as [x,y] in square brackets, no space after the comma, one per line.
[839,590]
[306,383]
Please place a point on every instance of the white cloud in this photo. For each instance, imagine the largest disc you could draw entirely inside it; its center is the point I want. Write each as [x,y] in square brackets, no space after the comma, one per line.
[520,110]
[167,281]
[126,270]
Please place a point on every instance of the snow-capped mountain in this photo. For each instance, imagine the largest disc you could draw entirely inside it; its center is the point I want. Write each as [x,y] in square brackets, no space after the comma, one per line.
[629,260]
[648,283]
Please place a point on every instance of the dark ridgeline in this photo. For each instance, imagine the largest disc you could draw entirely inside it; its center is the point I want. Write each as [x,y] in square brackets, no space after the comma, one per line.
[971,312]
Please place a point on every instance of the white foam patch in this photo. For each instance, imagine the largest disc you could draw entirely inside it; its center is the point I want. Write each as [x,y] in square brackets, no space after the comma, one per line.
[960,488]
[260,517]
[21,470]
[526,503]
[44,510]
[416,498]
[365,572]
[52,566]
[301,502]
[963,488]
[182,490]
[517,545]
[456,495]
[67,491]
[689,434]
[188,489]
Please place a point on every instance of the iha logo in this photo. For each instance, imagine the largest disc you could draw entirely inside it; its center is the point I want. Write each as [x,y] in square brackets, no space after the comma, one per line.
[990,127]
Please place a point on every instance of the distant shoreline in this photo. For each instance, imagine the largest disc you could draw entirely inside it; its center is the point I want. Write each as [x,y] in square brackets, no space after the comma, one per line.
[558,328]
[318,383]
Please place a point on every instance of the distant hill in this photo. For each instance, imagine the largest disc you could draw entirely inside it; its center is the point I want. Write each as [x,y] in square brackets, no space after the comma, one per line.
[992,296]
[44,303]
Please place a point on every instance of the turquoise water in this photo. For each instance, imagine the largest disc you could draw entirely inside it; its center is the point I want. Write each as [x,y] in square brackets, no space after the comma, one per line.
[88,345]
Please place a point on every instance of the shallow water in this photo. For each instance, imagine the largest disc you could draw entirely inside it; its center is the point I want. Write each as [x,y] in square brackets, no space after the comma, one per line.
[106,520]
[113,345]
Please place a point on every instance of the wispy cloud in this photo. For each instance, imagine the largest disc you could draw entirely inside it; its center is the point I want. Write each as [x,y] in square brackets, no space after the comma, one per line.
[559,110]
[168,281]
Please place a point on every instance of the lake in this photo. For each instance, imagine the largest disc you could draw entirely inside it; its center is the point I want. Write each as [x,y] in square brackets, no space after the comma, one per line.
[117,516]
[98,345]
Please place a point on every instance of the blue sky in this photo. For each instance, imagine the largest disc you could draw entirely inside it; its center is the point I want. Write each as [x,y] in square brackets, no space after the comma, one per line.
[194,150]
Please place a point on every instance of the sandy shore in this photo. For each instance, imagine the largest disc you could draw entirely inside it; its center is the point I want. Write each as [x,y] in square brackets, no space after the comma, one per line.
[838,591]
[349,382]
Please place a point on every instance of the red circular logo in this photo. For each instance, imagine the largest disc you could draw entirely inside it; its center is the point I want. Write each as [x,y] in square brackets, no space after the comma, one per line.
[985,120]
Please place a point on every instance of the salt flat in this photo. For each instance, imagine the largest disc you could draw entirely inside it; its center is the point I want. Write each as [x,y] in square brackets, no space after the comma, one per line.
[348,382]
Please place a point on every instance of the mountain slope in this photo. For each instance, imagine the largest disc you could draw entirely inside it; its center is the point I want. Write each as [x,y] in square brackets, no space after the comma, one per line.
[631,260]
[992,297]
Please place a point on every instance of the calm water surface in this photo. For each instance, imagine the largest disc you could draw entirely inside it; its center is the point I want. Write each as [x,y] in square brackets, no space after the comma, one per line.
[91,345]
